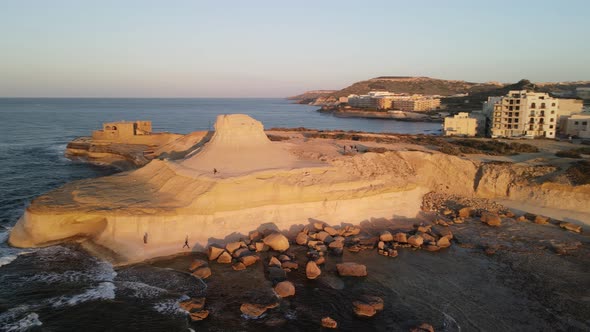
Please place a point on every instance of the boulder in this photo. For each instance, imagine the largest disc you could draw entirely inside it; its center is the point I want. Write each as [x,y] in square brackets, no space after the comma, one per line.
[277,241]
[239,266]
[197,263]
[381,245]
[318,226]
[199,315]
[336,245]
[465,212]
[427,237]
[322,236]
[224,258]
[443,242]
[400,237]
[329,323]
[386,236]
[249,259]
[351,269]
[214,252]
[233,246]
[301,239]
[312,270]
[491,219]
[571,227]
[202,273]
[194,304]
[541,220]
[415,240]
[274,262]
[285,289]
[320,260]
[331,230]
[252,310]
[363,310]
[423,229]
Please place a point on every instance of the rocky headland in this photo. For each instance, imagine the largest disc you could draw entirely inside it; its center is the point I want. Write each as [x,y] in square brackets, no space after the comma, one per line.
[236,180]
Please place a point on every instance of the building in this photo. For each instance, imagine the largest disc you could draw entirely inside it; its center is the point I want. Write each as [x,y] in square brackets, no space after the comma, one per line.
[525,114]
[362,101]
[386,100]
[567,107]
[578,125]
[460,125]
[122,130]
[583,93]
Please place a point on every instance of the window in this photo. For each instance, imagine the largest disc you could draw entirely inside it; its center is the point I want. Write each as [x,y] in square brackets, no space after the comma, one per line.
[542,105]
[510,108]
[511,101]
[114,127]
[515,126]
[552,112]
[551,120]
[518,101]
[516,120]
[585,123]
[531,127]
[517,108]
[576,123]
[517,113]
[551,127]
[552,104]
[550,133]
[533,105]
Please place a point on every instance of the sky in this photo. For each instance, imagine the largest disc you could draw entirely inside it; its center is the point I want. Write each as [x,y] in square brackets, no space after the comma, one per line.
[144,48]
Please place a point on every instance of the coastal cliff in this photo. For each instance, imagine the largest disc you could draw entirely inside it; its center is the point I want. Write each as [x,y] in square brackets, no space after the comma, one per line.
[239,181]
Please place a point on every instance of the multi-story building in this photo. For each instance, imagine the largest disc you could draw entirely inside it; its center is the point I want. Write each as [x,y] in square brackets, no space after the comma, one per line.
[578,125]
[387,100]
[362,101]
[460,125]
[525,114]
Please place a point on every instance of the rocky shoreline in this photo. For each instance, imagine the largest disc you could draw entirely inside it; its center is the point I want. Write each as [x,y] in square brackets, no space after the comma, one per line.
[446,220]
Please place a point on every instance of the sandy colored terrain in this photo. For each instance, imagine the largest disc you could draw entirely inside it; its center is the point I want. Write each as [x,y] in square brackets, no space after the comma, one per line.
[282,184]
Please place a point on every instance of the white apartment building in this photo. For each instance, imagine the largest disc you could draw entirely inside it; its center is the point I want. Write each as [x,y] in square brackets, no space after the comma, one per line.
[525,114]
[578,125]
[460,125]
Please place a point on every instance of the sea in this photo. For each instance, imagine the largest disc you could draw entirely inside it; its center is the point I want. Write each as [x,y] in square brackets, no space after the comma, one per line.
[64,288]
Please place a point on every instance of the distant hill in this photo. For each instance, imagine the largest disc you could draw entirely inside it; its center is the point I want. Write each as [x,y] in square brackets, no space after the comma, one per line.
[477,92]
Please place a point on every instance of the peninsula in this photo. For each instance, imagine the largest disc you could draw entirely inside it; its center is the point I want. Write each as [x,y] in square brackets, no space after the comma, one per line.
[225,184]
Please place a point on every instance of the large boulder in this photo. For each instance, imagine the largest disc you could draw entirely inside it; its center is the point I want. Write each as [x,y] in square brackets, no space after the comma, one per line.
[233,246]
[541,220]
[415,240]
[301,239]
[214,252]
[351,269]
[443,242]
[363,310]
[277,241]
[491,219]
[249,259]
[329,323]
[386,236]
[203,272]
[197,263]
[465,212]
[571,227]
[400,237]
[285,289]
[312,270]
[224,258]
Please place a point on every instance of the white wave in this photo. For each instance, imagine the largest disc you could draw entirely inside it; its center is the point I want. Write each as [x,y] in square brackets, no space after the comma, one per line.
[101,272]
[171,307]
[104,291]
[5,260]
[23,324]
[4,235]
[141,290]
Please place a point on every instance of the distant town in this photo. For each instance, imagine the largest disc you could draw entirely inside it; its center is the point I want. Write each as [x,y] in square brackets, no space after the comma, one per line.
[519,113]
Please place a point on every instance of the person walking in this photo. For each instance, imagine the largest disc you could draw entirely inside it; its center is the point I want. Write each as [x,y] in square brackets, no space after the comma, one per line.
[186,243]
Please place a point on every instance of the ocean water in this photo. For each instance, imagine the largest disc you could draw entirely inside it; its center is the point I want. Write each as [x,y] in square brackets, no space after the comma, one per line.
[62,287]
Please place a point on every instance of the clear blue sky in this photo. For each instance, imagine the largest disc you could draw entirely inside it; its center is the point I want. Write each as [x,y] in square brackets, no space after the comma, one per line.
[277,48]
